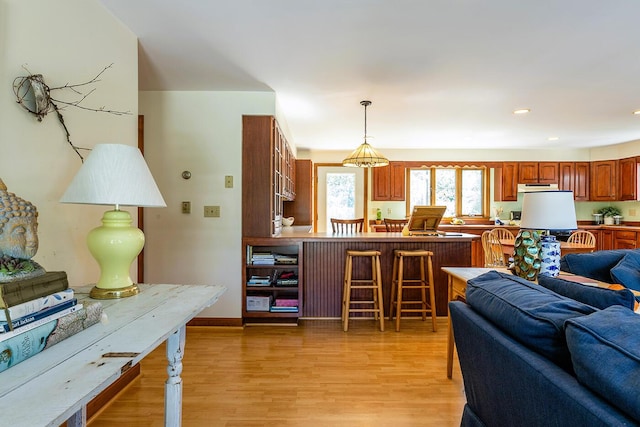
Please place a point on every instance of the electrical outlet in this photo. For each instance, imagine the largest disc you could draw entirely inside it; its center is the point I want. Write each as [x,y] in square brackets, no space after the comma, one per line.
[186,207]
[228,181]
[632,212]
[212,211]
[388,211]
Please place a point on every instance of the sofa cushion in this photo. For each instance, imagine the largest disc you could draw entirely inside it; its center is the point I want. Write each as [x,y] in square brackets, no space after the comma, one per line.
[597,297]
[596,265]
[529,313]
[605,350]
[627,271]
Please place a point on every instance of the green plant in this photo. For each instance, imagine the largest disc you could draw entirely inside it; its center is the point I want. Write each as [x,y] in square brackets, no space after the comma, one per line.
[609,211]
[378,214]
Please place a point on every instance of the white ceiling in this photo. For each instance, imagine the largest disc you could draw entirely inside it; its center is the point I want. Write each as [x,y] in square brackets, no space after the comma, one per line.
[439,73]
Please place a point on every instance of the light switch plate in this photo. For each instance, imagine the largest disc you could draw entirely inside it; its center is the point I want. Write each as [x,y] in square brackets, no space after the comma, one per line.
[212,211]
[186,207]
[228,181]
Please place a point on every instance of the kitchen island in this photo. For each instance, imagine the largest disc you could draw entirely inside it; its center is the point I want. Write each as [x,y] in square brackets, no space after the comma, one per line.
[323,257]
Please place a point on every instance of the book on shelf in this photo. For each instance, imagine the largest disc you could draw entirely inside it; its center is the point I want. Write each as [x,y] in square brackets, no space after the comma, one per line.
[285,259]
[259,281]
[287,278]
[263,262]
[35,305]
[29,342]
[286,302]
[277,309]
[20,291]
[30,318]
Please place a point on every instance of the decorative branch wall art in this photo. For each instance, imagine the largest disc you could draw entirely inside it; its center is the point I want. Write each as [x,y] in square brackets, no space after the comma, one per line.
[34,95]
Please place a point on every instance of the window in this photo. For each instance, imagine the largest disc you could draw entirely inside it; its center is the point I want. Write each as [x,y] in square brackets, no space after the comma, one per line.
[461,190]
[341,191]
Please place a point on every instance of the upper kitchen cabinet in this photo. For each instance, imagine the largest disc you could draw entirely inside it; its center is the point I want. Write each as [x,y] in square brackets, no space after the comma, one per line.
[302,207]
[389,182]
[268,176]
[505,180]
[603,180]
[574,176]
[628,179]
[537,173]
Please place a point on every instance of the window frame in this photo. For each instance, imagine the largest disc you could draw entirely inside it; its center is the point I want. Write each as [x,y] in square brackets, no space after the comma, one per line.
[432,181]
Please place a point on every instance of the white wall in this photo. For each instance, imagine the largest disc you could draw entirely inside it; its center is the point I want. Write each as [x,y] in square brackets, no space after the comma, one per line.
[68,41]
[200,132]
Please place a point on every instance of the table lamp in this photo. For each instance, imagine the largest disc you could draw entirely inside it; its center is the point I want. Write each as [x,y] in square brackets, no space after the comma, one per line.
[114,174]
[535,250]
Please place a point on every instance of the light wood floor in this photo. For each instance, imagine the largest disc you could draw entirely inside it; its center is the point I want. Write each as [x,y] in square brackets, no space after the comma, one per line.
[310,375]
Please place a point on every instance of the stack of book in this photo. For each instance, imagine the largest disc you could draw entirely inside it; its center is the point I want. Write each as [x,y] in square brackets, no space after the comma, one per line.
[287,278]
[263,258]
[284,305]
[259,281]
[38,312]
[285,259]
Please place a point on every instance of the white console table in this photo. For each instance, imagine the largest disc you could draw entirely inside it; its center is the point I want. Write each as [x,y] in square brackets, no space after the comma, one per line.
[55,385]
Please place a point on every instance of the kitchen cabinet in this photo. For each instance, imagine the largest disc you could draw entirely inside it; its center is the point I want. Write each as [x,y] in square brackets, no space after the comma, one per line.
[628,179]
[624,239]
[267,176]
[302,207]
[574,176]
[537,172]
[603,180]
[506,182]
[604,241]
[389,182]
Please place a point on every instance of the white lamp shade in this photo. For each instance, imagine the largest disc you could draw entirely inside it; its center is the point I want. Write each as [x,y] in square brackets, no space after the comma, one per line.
[114,174]
[549,210]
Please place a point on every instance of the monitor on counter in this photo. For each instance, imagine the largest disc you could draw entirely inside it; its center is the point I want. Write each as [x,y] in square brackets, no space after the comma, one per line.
[424,220]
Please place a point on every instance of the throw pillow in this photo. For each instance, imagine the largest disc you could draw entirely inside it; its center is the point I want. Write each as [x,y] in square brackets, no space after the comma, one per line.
[597,297]
[627,271]
[596,265]
[529,313]
[605,350]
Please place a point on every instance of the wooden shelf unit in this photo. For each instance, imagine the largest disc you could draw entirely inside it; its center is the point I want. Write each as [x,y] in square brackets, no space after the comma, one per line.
[281,246]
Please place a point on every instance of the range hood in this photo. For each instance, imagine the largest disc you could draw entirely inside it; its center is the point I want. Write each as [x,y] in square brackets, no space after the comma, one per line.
[525,188]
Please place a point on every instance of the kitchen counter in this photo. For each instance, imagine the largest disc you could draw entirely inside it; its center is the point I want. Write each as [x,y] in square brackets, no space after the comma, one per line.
[323,258]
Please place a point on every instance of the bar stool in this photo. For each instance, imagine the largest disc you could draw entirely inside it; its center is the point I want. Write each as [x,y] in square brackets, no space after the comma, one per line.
[351,284]
[399,284]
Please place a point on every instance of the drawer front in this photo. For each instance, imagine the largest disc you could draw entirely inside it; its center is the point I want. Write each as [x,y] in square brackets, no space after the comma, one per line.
[626,235]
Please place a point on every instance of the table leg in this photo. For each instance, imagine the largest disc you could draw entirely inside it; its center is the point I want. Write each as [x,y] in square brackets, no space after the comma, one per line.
[79,419]
[173,385]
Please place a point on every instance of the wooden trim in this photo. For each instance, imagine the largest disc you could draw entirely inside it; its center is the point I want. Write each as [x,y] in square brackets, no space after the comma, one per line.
[141,210]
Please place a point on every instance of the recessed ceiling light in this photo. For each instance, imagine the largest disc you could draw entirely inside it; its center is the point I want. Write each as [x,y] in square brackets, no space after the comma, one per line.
[521,111]
[553,138]
[637,112]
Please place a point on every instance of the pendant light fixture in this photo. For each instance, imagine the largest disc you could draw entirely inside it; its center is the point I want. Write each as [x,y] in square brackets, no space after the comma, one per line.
[365,156]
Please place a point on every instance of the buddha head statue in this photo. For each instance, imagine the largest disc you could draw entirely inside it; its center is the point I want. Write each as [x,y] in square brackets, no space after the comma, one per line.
[18,225]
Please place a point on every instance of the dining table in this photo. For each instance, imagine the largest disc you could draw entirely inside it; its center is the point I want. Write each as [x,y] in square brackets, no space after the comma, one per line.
[565,248]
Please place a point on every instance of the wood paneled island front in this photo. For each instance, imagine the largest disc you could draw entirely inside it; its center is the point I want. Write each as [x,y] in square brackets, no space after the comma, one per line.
[323,258]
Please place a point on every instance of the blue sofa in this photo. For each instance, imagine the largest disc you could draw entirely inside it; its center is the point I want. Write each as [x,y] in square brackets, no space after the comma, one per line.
[613,266]
[531,356]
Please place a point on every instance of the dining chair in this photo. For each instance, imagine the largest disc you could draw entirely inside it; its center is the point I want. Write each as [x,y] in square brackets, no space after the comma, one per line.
[493,254]
[347,226]
[503,233]
[395,224]
[583,237]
